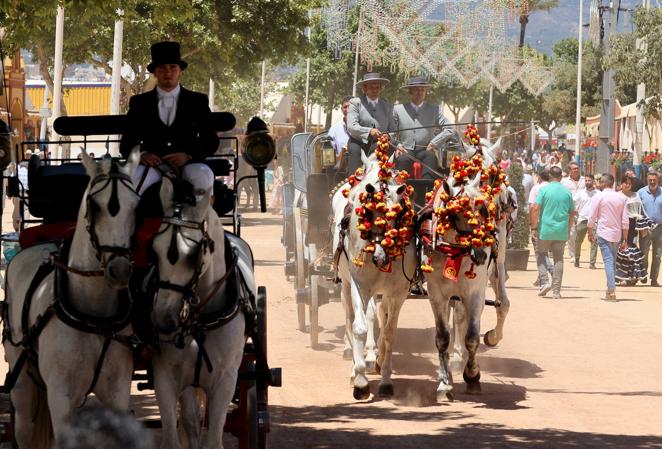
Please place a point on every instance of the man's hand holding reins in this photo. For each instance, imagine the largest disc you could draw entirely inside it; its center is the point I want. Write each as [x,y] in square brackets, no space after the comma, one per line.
[177,159]
[150,160]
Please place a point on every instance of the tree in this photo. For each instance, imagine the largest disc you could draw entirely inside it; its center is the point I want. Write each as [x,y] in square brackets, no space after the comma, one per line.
[526,8]
[220,39]
[633,65]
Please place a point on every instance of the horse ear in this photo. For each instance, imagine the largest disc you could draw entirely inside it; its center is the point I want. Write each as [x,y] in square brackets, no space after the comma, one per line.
[369,188]
[131,164]
[364,159]
[165,194]
[446,187]
[89,163]
[492,150]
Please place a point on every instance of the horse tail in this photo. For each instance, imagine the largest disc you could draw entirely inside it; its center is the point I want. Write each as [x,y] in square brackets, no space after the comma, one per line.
[43,427]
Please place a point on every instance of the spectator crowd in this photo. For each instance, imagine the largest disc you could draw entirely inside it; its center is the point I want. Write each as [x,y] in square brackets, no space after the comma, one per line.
[622,218]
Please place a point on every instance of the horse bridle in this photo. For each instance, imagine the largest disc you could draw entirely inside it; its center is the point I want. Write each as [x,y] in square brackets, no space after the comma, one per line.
[190,298]
[112,179]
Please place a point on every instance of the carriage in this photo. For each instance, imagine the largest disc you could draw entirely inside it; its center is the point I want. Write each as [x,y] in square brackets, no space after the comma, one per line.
[307,219]
[56,186]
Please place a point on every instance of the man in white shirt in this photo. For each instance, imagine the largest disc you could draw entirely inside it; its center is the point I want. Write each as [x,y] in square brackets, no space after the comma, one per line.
[583,206]
[573,182]
[338,133]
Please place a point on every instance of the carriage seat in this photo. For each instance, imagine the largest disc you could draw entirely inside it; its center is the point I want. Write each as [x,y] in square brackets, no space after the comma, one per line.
[65,230]
[55,191]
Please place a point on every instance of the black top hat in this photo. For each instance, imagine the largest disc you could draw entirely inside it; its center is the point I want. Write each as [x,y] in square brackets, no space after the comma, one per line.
[416,81]
[368,77]
[166,53]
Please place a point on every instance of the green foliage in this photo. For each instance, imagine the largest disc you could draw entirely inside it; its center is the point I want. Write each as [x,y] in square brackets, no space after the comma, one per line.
[220,39]
[634,65]
[520,233]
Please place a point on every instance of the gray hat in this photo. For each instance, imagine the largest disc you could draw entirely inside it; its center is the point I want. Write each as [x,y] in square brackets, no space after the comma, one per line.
[374,76]
[416,81]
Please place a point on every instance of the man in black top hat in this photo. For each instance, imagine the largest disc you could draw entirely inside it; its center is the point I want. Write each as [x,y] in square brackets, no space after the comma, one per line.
[368,117]
[170,123]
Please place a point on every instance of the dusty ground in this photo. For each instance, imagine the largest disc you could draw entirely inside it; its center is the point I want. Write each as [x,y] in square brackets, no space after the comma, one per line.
[571,373]
[576,372]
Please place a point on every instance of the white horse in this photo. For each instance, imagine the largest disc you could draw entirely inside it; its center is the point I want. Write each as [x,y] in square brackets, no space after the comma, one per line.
[198,315]
[72,313]
[481,262]
[361,283]
[497,273]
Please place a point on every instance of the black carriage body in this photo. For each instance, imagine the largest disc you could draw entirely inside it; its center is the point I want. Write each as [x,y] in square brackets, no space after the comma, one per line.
[56,188]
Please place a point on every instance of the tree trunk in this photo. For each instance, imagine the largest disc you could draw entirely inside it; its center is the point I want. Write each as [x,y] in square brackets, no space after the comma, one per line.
[523,21]
[48,79]
[329,108]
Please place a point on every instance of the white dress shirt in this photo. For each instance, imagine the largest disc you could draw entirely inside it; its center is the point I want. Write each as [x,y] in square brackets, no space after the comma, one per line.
[168,104]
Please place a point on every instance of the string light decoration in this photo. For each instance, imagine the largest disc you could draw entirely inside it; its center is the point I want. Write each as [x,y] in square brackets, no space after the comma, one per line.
[471,43]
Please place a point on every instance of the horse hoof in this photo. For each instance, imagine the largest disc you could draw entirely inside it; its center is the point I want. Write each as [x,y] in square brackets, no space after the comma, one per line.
[347,354]
[385,390]
[445,394]
[490,339]
[361,393]
[473,388]
[473,383]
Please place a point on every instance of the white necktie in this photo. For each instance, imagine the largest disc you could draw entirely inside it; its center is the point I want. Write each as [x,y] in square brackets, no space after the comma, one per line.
[165,111]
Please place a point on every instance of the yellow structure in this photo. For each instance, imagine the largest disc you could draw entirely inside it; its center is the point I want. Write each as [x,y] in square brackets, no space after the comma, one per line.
[80,98]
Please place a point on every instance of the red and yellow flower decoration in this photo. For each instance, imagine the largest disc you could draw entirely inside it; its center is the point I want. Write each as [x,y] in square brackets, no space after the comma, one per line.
[379,223]
[483,224]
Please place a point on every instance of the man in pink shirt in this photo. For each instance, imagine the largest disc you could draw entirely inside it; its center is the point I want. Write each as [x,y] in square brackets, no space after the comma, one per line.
[608,209]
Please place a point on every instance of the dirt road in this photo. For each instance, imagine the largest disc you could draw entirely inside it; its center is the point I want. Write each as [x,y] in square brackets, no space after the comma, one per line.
[571,373]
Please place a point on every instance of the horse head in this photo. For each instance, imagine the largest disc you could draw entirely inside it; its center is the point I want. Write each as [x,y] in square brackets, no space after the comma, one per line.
[183,248]
[379,207]
[109,212]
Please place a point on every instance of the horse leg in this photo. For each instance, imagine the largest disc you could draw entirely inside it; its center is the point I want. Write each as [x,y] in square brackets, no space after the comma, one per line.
[441,311]
[218,401]
[165,388]
[359,332]
[113,387]
[393,304]
[190,416]
[32,423]
[498,281]
[370,346]
[346,297]
[471,372]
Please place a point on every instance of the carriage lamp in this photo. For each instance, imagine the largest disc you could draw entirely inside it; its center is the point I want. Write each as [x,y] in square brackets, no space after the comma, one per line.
[328,154]
[259,146]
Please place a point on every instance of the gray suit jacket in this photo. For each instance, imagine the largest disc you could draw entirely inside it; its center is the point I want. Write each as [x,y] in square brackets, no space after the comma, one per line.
[405,117]
[361,117]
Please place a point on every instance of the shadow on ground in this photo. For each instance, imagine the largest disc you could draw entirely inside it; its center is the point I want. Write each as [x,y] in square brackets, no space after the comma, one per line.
[302,432]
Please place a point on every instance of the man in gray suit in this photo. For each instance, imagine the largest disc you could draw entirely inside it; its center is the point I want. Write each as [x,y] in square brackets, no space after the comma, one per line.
[419,128]
[368,117]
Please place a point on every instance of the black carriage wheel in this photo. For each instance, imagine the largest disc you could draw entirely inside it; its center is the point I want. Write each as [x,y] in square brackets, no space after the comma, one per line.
[262,395]
[252,425]
[299,265]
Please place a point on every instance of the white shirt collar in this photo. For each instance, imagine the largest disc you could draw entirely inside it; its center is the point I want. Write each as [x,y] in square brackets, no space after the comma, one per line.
[373,102]
[417,106]
[173,93]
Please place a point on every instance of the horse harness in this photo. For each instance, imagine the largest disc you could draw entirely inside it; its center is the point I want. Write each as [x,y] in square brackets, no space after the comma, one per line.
[193,318]
[108,327]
